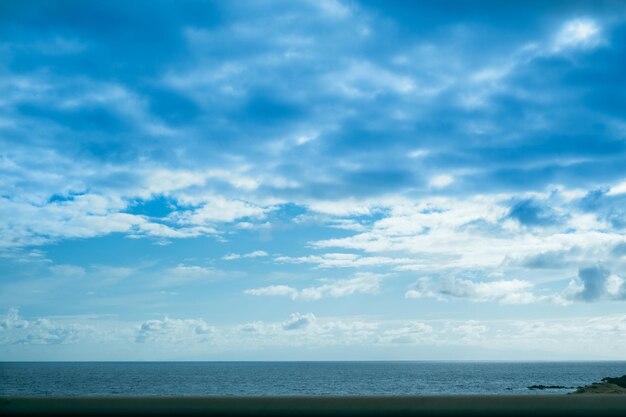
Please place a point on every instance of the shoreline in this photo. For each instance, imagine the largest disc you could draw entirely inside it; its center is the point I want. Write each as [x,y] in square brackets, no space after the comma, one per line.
[559,404]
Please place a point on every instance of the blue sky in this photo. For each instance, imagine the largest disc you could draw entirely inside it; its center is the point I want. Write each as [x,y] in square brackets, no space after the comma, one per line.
[311,180]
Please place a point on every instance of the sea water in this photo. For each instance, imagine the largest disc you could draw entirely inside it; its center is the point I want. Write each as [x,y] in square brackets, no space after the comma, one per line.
[296,378]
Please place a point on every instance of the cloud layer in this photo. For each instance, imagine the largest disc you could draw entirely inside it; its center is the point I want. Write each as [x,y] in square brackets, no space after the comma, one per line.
[168,338]
[165,165]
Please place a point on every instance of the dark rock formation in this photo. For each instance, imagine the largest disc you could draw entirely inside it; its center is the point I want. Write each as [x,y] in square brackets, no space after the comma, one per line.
[620,381]
[549,387]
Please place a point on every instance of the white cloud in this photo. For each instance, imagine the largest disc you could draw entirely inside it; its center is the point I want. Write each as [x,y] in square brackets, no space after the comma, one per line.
[586,222]
[574,338]
[362,282]
[348,207]
[414,333]
[471,332]
[443,234]
[418,153]
[617,189]
[441,181]
[83,216]
[254,254]
[305,138]
[615,287]
[299,321]
[578,33]
[165,231]
[159,181]
[15,330]
[234,178]
[491,74]
[345,260]
[12,320]
[365,283]
[280,290]
[503,291]
[219,209]
[183,270]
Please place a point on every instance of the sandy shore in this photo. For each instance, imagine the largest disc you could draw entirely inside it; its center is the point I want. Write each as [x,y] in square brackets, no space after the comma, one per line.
[565,405]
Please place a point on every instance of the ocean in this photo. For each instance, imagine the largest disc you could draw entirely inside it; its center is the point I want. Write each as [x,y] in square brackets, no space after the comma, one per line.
[296,378]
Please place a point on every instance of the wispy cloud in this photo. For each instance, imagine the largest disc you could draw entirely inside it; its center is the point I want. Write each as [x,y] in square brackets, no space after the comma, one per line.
[361,283]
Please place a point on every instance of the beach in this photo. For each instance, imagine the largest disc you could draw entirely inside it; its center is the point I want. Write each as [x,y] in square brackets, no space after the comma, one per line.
[570,405]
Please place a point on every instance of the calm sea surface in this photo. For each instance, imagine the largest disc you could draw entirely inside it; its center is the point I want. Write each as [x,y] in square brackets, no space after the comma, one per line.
[296,378]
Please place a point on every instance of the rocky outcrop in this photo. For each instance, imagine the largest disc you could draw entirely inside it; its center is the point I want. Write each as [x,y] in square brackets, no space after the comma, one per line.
[609,385]
[619,381]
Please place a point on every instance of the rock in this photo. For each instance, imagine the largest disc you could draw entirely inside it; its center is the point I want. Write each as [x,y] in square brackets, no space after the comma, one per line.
[549,387]
[608,385]
[620,381]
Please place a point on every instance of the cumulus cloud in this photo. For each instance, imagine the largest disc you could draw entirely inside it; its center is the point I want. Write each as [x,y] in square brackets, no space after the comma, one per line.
[16,330]
[12,320]
[219,209]
[168,181]
[299,321]
[174,331]
[575,338]
[482,231]
[82,216]
[596,283]
[502,291]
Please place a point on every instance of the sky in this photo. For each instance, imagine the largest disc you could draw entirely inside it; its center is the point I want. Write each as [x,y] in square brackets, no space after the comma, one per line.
[312,180]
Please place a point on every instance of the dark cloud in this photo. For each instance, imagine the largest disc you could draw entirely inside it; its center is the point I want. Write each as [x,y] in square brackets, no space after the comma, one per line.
[532,213]
[594,281]
[548,260]
[611,208]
